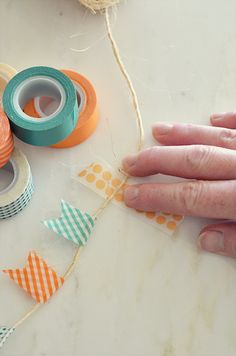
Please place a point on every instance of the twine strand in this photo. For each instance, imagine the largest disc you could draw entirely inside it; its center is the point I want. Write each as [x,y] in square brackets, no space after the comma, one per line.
[71,266]
[27,315]
[136,107]
[125,74]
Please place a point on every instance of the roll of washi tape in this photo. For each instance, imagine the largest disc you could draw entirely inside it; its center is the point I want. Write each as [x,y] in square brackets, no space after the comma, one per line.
[19,192]
[41,81]
[87,101]
[6,73]
[6,139]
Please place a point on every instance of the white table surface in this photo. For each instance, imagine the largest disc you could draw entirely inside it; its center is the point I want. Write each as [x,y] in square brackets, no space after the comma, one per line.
[135,291]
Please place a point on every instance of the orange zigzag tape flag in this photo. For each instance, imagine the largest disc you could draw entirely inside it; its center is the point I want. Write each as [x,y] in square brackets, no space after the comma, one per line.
[36,278]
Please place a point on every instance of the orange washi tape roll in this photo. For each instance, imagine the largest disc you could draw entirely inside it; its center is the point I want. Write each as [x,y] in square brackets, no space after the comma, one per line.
[88,116]
[6,139]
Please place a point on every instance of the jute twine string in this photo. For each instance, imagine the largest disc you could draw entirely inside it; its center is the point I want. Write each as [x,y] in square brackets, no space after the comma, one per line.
[103,6]
[98,5]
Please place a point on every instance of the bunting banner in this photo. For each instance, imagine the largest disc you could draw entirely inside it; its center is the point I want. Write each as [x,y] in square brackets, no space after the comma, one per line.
[38,279]
[73,224]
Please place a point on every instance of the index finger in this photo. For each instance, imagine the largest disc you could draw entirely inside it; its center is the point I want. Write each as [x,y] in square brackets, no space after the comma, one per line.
[198,198]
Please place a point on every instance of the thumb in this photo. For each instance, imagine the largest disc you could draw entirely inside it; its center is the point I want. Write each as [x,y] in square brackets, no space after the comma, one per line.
[219,238]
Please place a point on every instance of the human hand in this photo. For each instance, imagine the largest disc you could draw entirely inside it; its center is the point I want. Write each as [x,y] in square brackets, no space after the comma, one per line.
[207,156]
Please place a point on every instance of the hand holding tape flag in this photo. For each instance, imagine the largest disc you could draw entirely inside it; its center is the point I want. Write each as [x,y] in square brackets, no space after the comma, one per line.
[73,224]
[38,279]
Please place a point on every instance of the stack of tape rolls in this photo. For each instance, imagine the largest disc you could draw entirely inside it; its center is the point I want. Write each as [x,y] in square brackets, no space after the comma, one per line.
[45,107]
[36,82]
[18,193]
[6,73]
[40,107]
[6,139]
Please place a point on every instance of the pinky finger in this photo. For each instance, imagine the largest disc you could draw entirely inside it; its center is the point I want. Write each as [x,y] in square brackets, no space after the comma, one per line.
[219,238]
[226,119]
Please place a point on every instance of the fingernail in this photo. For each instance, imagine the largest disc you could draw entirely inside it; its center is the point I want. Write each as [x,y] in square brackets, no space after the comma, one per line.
[217,117]
[129,162]
[131,194]
[162,128]
[212,241]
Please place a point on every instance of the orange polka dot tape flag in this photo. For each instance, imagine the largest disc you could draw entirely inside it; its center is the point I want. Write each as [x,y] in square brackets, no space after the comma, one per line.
[102,179]
[38,279]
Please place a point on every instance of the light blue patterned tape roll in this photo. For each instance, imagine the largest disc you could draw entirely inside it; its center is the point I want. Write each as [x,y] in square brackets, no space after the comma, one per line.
[19,192]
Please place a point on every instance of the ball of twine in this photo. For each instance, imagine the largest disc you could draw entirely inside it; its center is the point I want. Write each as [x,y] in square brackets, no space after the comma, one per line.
[98,5]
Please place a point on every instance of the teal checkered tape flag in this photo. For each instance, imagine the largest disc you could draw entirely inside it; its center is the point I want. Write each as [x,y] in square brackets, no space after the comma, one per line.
[73,224]
[5,332]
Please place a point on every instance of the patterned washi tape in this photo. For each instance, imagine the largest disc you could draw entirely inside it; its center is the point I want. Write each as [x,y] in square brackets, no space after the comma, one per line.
[88,110]
[5,332]
[73,224]
[41,81]
[19,192]
[6,139]
[102,179]
[38,274]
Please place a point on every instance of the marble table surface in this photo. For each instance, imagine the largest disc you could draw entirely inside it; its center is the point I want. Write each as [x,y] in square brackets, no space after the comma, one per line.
[135,290]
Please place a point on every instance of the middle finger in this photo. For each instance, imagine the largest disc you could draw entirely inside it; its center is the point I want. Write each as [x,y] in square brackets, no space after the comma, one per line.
[193,162]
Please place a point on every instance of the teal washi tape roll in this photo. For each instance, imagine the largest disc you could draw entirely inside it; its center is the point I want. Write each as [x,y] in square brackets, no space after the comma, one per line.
[19,192]
[34,82]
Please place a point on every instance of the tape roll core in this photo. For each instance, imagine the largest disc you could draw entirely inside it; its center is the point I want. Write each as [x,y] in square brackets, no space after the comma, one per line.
[9,174]
[38,86]
[48,105]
